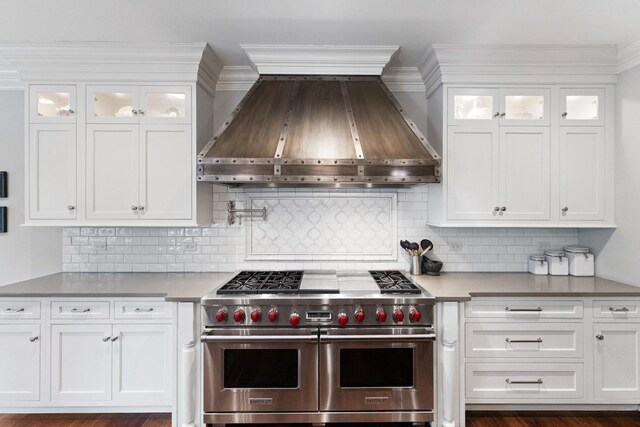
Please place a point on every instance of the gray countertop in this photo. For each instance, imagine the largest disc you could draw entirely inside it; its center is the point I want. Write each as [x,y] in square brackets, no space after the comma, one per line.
[193,286]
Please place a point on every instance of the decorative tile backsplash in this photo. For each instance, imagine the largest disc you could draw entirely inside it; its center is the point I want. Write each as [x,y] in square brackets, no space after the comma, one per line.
[307,226]
[221,247]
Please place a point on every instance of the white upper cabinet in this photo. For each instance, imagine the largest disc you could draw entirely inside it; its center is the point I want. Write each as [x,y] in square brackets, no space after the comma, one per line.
[52,104]
[582,107]
[473,106]
[528,107]
[138,104]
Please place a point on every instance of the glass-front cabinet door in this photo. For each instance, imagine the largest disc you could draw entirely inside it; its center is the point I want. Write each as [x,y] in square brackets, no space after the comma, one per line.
[165,104]
[112,104]
[582,107]
[475,106]
[528,107]
[52,104]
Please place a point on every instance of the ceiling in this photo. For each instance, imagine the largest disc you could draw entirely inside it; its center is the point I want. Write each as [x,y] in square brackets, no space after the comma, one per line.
[412,24]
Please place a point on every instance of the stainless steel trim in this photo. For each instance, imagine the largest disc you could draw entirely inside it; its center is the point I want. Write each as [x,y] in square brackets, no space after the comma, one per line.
[415,337]
[282,139]
[355,135]
[317,161]
[618,310]
[537,309]
[537,381]
[256,338]
[293,179]
[282,418]
[537,340]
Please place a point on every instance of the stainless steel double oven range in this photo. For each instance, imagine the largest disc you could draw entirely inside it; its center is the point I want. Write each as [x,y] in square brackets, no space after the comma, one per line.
[316,347]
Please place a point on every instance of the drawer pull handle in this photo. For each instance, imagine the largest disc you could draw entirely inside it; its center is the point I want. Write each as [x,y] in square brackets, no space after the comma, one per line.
[537,309]
[509,340]
[13,310]
[143,310]
[538,381]
[80,310]
[618,310]
[33,339]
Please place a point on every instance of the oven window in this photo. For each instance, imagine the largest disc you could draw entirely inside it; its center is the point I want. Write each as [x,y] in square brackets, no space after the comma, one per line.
[261,368]
[376,367]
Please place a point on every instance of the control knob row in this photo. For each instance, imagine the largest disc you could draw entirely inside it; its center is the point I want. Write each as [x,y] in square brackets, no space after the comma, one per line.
[239,315]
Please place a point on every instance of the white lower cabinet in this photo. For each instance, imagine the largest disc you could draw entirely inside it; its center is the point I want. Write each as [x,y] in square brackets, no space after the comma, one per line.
[20,362]
[80,362]
[616,361]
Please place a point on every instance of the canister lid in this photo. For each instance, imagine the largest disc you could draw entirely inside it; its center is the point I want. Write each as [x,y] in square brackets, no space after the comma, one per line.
[538,258]
[554,253]
[576,250]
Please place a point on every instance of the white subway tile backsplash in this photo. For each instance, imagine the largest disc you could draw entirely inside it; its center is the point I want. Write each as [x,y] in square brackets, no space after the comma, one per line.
[220,247]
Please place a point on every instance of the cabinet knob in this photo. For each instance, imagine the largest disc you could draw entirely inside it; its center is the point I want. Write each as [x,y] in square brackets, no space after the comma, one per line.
[140,208]
[496,115]
[134,208]
[503,114]
[564,115]
[34,339]
[502,209]
[565,209]
[106,339]
[113,339]
[141,112]
[134,112]
[600,337]
[71,207]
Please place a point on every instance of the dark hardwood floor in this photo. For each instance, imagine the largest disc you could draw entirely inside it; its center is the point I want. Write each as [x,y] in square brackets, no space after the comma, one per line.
[474,419]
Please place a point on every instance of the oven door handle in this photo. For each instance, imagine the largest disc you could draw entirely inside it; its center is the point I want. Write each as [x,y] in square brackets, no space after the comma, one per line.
[252,338]
[371,337]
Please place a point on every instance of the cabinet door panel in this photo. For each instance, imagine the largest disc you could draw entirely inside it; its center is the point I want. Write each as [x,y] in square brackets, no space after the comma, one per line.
[582,163]
[472,162]
[529,107]
[80,363]
[165,104]
[166,177]
[616,361]
[112,104]
[143,363]
[524,172]
[52,171]
[52,104]
[19,362]
[112,171]
[473,106]
[582,107]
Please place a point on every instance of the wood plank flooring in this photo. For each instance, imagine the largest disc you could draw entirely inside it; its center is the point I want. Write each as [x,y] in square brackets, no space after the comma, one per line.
[85,420]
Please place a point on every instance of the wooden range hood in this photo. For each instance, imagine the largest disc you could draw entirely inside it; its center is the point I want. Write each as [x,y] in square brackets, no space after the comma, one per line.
[335,131]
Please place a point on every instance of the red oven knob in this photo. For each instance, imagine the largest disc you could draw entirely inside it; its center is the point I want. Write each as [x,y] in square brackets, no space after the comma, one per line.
[343,319]
[238,315]
[398,315]
[273,314]
[221,315]
[294,319]
[359,315]
[415,315]
[381,315]
[256,315]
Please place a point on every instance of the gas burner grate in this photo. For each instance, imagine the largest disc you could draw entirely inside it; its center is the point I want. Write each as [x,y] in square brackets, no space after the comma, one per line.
[263,282]
[394,282]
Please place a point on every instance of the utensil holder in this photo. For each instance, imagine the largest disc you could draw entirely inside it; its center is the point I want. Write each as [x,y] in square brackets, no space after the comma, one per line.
[416,265]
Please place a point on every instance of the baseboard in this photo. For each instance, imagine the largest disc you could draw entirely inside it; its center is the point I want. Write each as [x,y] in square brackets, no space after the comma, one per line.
[551,407]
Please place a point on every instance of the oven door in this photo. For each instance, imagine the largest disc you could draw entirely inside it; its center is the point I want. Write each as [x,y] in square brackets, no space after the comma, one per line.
[382,369]
[266,370]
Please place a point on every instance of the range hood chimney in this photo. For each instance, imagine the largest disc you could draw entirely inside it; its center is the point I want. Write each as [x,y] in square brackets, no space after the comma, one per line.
[335,131]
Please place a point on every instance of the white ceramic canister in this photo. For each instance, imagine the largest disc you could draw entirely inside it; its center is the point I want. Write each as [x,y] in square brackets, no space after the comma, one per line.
[538,265]
[558,263]
[581,262]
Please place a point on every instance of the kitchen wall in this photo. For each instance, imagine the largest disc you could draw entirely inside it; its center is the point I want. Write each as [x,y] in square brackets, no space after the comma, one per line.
[25,252]
[617,250]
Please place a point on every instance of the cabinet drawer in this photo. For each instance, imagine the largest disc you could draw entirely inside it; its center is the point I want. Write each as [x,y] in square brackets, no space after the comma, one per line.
[10,310]
[518,340]
[527,309]
[493,382]
[80,310]
[143,310]
[616,309]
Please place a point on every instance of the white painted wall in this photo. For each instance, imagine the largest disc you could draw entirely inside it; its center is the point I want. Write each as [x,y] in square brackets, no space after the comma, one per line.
[618,251]
[25,252]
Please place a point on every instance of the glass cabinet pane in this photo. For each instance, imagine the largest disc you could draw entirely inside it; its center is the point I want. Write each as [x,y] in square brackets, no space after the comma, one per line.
[53,104]
[113,104]
[529,107]
[582,107]
[473,107]
[165,104]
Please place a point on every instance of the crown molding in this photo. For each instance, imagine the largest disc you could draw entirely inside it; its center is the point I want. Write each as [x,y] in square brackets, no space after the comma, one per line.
[628,55]
[307,59]
[9,79]
[236,78]
[506,64]
[110,61]
[403,79]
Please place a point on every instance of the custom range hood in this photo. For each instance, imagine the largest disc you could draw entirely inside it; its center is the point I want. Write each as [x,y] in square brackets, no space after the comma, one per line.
[336,131]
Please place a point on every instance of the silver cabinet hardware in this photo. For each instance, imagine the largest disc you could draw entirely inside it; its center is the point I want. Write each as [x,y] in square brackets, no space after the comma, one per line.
[140,208]
[141,112]
[106,339]
[600,337]
[496,209]
[33,339]
[564,115]
[143,310]
[134,112]
[71,207]
[509,340]
[565,209]
[134,208]
[13,310]
[80,310]
[114,339]
[618,310]
[537,309]
[496,115]
[72,112]
[503,114]
[503,209]
[537,381]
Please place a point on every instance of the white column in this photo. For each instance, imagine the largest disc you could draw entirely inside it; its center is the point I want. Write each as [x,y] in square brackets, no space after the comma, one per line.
[187,377]
[450,363]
